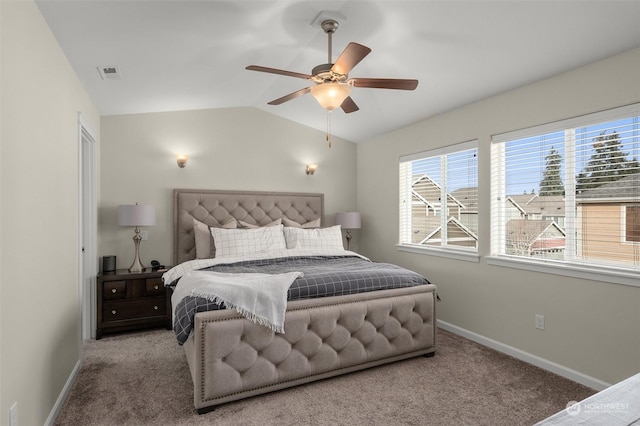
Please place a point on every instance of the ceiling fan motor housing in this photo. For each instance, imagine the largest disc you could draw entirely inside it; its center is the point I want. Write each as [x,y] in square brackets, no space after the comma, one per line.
[322,73]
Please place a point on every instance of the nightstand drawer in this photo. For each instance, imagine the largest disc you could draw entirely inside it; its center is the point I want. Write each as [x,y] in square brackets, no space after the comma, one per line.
[114,290]
[130,309]
[155,287]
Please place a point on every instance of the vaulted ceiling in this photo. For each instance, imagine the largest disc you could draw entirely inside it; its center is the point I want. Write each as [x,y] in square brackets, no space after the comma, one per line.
[180,55]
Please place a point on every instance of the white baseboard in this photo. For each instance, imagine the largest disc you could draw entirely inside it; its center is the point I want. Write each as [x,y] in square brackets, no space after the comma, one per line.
[545,364]
[55,411]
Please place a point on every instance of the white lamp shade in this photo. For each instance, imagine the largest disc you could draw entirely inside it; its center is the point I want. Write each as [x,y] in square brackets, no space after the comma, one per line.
[136,215]
[330,95]
[349,220]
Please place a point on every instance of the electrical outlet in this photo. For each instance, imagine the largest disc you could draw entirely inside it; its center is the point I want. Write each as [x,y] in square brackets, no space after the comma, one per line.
[13,414]
[144,234]
[540,322]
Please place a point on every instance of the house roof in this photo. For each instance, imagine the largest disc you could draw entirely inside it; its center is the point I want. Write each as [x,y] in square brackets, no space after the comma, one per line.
[523,199]
[532,229]
[468,197]
[544,205]
[434,226]
[550,243]
[433,200]
[627,188]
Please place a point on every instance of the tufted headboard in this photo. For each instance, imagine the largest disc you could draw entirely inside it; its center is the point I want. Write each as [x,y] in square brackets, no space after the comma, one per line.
[215,207]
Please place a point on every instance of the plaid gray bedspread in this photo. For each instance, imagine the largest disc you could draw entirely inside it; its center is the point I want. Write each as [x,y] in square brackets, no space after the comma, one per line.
[323,276]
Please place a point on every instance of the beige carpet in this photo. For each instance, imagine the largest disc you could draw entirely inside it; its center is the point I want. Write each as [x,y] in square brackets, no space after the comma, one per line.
[143,379]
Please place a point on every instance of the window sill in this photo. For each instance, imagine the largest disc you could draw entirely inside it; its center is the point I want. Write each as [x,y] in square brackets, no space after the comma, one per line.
[608,275]
[465,255]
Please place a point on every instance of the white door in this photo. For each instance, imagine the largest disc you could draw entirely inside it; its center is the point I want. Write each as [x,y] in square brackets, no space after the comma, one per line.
[88,264]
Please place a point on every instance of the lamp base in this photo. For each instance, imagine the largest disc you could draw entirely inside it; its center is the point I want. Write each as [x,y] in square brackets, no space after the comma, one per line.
[137,266]
[348,237]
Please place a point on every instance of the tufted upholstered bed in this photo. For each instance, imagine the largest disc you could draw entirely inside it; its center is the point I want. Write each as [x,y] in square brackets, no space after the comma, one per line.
[231,358]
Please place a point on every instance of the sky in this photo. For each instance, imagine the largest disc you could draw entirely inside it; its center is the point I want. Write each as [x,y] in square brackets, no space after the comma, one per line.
[535,149]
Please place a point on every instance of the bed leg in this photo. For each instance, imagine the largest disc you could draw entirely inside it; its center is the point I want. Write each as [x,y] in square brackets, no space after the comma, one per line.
[205,410]
[430,354]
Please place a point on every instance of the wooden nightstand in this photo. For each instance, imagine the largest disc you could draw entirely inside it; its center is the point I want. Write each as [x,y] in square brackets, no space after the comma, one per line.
[131,301]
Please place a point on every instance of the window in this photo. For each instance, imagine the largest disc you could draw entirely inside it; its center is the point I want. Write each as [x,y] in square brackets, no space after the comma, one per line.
[568,193]
[632,224]
[439,198]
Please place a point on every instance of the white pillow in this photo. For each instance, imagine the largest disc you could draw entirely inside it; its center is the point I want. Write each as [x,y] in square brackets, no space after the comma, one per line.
[311,224]
[240,242]
[202,235]
[318,238]
[244,224]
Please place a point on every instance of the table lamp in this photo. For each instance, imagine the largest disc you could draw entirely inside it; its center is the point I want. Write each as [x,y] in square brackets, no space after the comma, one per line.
[348,221]
[136,215]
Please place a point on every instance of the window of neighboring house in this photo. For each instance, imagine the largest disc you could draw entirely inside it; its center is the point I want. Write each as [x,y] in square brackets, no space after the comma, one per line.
[632,224]
[439,199]
[558,190]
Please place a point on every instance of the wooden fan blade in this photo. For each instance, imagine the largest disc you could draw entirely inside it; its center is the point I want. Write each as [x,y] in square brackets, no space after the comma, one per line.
[384,83]
[290,96]
[348,105]
[350,57]
[277,71]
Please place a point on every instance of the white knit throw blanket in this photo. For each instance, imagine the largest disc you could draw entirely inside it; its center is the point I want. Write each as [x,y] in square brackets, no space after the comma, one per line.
[261,298]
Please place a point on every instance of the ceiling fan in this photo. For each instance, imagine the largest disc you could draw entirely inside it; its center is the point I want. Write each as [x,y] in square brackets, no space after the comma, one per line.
[333,85]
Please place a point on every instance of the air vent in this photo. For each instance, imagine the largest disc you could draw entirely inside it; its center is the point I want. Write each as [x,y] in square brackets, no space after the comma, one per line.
[110,73]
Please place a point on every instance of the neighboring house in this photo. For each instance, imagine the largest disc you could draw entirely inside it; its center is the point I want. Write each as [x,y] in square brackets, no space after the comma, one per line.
[610,221]
[469,199]
[462,219]
[534,228]
[536,207]
[535,238]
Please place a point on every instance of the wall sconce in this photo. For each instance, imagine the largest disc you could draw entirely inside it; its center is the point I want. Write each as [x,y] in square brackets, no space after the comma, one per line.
[311,169]
[181,159]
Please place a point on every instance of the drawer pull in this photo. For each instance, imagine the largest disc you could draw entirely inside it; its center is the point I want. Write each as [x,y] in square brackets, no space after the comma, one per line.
[113,312]
[155,307]
[155,287]
[114,290]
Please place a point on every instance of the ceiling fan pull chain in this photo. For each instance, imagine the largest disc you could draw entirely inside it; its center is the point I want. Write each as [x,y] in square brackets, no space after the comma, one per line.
[329,128]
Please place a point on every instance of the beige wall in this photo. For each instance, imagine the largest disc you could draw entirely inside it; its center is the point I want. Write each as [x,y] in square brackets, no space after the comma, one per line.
[591,327]
[235,148]
[39,327]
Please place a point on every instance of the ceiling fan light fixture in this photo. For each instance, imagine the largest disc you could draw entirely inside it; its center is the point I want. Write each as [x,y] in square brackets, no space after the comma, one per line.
[330,95]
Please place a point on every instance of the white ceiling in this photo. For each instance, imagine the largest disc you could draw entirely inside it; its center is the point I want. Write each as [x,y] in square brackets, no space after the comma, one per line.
[180,55]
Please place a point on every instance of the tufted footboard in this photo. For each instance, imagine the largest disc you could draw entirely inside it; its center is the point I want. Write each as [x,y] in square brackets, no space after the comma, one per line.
[231,358]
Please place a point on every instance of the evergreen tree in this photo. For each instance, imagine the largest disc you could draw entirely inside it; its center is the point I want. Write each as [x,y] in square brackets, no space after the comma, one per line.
[608,163]
[551,183]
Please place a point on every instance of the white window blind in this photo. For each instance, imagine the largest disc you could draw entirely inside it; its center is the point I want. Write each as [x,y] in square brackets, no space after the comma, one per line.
[569,192]
[439,198]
